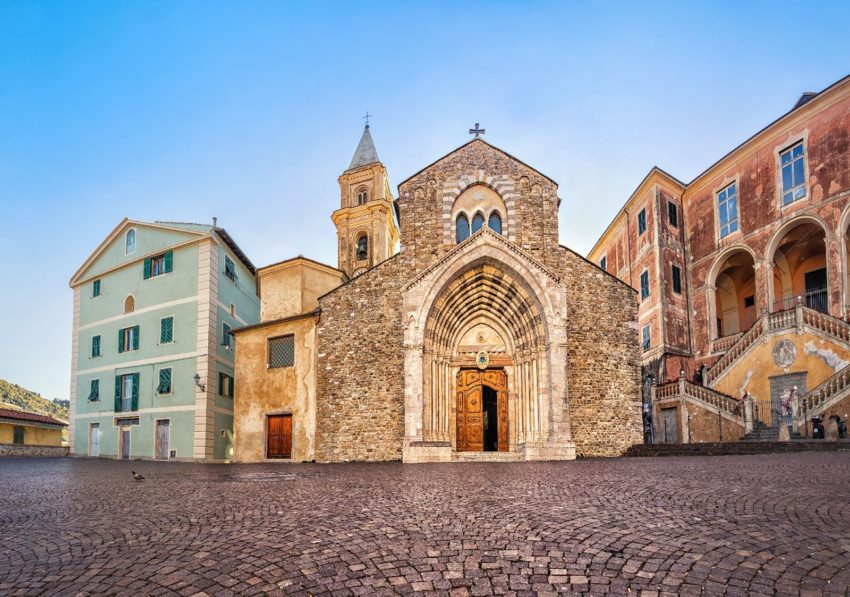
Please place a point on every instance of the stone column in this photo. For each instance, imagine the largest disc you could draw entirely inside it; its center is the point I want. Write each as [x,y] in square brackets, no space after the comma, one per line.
[834,274]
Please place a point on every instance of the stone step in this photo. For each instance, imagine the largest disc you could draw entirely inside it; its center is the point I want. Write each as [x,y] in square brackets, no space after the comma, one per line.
[737,448]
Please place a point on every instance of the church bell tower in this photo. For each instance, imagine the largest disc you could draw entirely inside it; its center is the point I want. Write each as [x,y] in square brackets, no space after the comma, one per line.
[366,230]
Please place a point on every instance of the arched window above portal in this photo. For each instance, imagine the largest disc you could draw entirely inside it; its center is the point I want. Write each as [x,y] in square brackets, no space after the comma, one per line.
[494,223]
[476,203]
[461,228]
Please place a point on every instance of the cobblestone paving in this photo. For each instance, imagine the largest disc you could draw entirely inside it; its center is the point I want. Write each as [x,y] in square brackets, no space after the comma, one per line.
[770,524]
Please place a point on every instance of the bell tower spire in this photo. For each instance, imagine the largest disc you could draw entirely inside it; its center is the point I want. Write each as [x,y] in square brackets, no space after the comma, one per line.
[366,229]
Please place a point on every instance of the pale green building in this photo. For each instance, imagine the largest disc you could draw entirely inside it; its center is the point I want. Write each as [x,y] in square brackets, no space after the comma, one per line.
[152,353]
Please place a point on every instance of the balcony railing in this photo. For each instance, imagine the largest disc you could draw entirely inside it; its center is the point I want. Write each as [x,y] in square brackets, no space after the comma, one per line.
[815,298]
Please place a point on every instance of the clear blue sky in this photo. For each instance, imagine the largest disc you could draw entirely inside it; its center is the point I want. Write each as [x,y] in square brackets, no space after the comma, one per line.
[249,111]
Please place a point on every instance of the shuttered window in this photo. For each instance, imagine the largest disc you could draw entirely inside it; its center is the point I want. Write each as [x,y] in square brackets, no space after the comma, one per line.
[225,385]
[128,339]
[282,351]
[164,386]
[94,391]
[641,222]
[95,288]
[677,279]
[161,264]
[644,285]
[95,346]
[166,330]
[127,392]
[226,336]
[229,268]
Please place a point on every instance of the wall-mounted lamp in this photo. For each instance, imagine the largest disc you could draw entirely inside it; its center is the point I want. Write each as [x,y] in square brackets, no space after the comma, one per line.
[199,384]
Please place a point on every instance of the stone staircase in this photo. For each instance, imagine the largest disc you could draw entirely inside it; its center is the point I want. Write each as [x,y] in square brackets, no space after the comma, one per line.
[798,318]
[763,433]
[737,448]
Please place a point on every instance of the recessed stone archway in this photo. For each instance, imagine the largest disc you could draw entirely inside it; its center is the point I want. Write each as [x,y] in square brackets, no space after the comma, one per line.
[487,289]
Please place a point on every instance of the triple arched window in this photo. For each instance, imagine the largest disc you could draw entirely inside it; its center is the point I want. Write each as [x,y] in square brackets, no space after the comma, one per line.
[462,226]
[362,247]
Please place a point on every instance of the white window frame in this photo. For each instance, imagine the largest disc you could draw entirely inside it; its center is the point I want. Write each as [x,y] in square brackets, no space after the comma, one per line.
[804,185]
[737,220]
[126,238]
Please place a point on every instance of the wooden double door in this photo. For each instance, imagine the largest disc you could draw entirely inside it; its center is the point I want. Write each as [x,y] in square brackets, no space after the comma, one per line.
[482,410]
[279,436]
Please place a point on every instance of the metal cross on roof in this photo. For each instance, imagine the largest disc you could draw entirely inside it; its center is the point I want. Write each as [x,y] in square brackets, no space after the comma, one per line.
[476,131]
[367,117]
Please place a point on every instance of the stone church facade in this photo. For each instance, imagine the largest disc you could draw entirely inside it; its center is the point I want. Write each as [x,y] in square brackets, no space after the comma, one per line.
[481,338]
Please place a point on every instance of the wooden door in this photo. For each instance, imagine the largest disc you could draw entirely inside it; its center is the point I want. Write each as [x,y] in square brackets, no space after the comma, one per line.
[280,436]
[670,425]
[470,416]
[125,443]
[94,440]
[161,439]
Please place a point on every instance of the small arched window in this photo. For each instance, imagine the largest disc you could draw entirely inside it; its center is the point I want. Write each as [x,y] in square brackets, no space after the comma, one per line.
[362,196]
[461,228]
[495,222]
[362,247]
[477,222]
[129,304]
[130,241]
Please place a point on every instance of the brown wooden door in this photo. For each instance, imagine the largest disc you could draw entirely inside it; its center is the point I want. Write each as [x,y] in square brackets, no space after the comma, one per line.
[470,416]
[280,436]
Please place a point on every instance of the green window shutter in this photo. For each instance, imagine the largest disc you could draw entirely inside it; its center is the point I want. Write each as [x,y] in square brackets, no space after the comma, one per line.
[120,340]
[166,332]
[164,381]
[169,261]
[136,338]
[147,268]
[134,404]
[117,393]
[232,387]
[95,288]
[220,383]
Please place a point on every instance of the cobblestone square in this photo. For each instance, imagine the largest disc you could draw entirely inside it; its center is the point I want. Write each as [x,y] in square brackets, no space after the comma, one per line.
[769,524]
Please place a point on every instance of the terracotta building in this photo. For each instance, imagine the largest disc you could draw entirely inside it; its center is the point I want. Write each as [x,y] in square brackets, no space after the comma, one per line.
[742,275]
[456,327]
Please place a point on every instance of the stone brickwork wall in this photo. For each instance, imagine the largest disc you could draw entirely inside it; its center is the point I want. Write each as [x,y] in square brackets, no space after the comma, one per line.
[360,374]
[33,451]
[360,369]
[603,374]
[425,201]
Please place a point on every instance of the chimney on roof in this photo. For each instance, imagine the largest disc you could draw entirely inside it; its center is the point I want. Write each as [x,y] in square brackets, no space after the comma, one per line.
[215,222]
[808,95]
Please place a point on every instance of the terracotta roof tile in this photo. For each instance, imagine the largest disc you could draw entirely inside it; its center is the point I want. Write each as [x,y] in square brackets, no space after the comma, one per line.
[8,413]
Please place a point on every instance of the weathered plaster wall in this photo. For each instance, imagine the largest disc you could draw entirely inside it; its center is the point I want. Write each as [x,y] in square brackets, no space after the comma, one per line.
[263,391]
[33,436]
[819,357]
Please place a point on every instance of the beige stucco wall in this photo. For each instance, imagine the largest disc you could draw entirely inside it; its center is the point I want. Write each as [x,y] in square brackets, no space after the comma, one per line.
[294,287]
[815,355]
[33,436]
[261,391]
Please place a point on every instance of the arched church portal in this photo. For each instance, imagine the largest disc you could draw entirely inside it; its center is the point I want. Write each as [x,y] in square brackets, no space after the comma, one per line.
[486,310]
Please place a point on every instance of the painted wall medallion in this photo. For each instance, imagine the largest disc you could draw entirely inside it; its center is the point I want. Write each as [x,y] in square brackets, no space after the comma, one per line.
[482,359]
[784,353]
